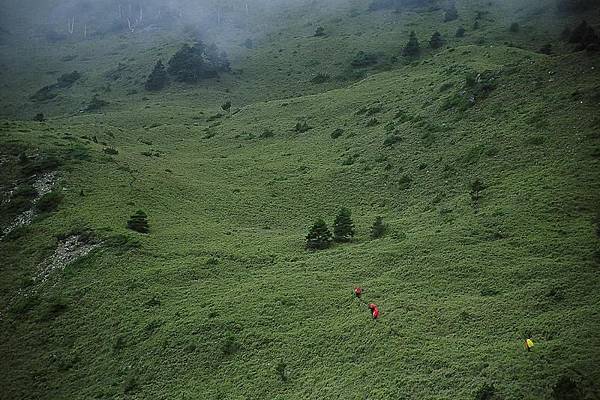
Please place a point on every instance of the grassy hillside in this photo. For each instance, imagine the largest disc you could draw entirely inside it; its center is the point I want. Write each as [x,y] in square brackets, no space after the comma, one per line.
[221,300]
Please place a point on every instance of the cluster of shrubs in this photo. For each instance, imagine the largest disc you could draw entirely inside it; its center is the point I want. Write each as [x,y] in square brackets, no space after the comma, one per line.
[320,237]
[189,64]
[399,4]
[575,5]
[51,91]
[139,222]
[583,36]
[476,87]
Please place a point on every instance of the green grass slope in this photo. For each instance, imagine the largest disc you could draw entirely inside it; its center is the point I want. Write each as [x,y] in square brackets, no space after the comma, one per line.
[221,295]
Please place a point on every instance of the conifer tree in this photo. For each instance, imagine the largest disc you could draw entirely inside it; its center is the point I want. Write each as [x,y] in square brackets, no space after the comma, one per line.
[378,229]
[139,222]
[450,14]
[158,78]
[412,48]
[319,237]
[343,227]
[436,40]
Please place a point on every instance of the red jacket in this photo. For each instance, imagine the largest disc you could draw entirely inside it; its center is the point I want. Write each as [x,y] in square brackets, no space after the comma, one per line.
[358,292]
[374,310]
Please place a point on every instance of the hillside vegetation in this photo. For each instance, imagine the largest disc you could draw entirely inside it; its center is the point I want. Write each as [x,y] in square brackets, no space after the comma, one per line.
[482,157]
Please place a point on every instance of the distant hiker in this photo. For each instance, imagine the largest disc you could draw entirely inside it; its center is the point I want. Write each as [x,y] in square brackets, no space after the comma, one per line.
[374,310]
[528,344]
[358,292]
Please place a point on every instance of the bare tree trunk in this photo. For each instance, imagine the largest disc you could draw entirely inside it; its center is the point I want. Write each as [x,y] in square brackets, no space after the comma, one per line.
[85,31]
[71,25]
[247,10]
[141,14]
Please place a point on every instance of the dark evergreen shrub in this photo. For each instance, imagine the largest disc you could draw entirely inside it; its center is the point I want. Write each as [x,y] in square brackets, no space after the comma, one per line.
[363,59]
[576,5]
[514,27]
[226,106]
[320,78]
[95,104]
[67,80]
[301,127]
[450,13]
[584,37]
[546,49]
[436,40]
[412,48]
[320,31]
[378,229]
[39,117]
[343,227]
[139,222]
[111,151]
[319,237]
[193,63]
[158,78]
[460,32]
[337,133]
[477,187]
[49,202]
[566,389]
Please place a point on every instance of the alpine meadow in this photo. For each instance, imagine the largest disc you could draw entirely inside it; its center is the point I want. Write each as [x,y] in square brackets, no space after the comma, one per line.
[300,199]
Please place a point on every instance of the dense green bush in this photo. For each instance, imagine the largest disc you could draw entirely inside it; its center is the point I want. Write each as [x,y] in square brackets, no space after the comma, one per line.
[51,91]
[450,13]
[319,237]
[575,5]
[301,127]
[584,36]
[514,27]
[436,40]
[412,47]
[139,222]
[193,63]
[111,151]
[343,227]
[363,59]
[49,202]
[320,78]
[379,228]
[476,187]
[95,104]
[460,32]
[158,78]
[337,133]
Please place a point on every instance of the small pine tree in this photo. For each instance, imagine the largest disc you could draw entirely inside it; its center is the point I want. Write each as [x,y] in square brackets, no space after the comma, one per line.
[378,229]
[319,237]
[477,187]
[450,13]
[139,222]
[320,31]
[343,227]
[158,78]
[412,48]
[436,40]
[226,106]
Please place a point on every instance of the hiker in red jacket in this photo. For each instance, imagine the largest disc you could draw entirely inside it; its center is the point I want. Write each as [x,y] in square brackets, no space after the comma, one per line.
[358,292]
[374,310]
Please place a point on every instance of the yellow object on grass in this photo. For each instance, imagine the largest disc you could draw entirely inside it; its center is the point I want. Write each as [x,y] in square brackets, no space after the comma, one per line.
[529,344]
